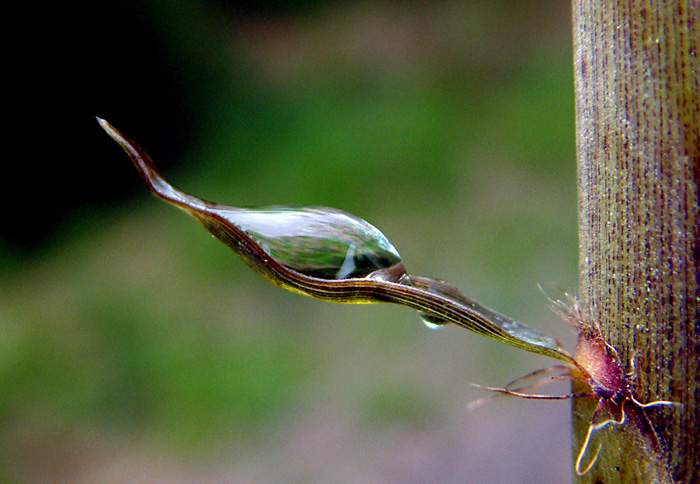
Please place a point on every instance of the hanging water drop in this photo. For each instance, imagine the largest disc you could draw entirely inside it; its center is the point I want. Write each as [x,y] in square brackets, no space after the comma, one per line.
[432,322]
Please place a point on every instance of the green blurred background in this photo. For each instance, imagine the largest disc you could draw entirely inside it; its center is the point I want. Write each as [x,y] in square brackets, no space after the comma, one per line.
[136,348]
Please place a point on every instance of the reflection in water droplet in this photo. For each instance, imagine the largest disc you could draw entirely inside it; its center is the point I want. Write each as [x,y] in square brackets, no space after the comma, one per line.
[432,322]
[319,242]
[348,263]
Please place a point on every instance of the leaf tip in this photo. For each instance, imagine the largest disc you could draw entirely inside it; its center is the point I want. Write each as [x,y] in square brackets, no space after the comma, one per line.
[109,129]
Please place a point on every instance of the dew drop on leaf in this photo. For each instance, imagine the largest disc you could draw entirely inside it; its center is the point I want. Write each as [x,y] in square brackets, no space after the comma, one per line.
[320,242]
[432,322]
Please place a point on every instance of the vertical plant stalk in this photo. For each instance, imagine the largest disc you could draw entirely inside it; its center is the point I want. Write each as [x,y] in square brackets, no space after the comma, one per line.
[638,140]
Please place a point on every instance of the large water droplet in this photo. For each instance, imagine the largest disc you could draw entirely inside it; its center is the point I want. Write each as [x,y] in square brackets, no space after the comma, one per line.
[319,242]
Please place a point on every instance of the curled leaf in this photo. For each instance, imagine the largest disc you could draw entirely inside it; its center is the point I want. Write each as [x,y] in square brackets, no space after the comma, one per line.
[334,255]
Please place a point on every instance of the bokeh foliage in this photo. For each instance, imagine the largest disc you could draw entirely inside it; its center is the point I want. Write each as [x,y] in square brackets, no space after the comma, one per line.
[448,125]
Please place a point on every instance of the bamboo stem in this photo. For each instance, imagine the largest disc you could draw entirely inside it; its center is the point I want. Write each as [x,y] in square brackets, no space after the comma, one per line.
[637,71]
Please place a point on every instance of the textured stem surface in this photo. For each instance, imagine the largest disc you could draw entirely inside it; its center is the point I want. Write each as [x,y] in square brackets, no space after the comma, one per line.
[638,139]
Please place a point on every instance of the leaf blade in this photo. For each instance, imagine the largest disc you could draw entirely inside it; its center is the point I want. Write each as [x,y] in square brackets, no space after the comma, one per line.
[336,256]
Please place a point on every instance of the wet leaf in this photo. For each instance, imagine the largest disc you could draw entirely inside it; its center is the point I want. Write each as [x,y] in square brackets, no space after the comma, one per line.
[334,255]
[316,241]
